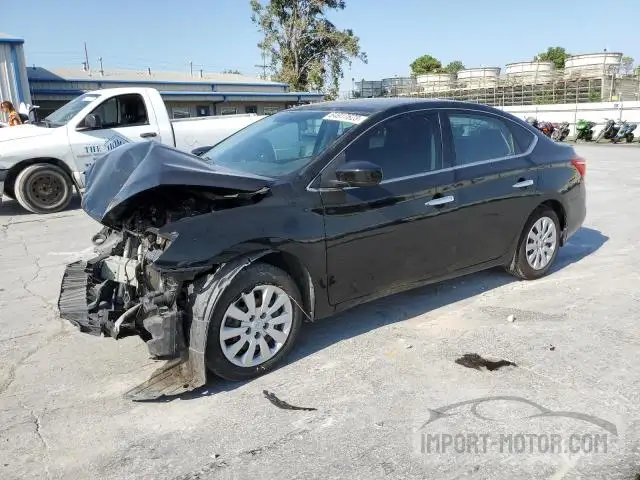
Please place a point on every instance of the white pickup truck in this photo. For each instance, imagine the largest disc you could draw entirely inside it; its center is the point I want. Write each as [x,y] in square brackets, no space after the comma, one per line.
[41,164]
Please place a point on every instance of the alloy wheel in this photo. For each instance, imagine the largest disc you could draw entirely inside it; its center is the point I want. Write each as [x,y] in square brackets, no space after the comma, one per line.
[542,242]
[256,326]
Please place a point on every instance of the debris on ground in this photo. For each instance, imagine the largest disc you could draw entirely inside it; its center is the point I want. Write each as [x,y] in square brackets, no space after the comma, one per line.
[475,361]
[552,348]
[511,318]
[282,404]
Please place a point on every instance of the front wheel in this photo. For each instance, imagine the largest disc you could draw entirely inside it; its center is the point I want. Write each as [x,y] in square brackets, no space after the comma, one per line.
[43,188]
[255,323]
[538,245]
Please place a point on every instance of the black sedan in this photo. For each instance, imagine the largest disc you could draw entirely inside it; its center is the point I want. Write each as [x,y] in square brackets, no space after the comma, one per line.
[215,261]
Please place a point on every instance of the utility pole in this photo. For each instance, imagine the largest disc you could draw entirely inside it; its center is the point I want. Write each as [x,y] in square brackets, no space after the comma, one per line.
[86,57]
[263,66]
[101,69]
[191,68]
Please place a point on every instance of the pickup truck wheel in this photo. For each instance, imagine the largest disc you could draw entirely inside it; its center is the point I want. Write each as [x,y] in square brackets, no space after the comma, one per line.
[538,245]
[255,323]
[43,188]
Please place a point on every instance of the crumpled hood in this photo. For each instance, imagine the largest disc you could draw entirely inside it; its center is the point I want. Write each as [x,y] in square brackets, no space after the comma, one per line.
[24,131]
[118,176]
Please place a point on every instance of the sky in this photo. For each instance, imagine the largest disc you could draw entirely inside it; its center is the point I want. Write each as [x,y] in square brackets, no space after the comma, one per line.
[218,34]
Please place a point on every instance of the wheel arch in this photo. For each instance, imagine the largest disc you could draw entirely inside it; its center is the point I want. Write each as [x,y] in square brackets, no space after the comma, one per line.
[560,211]
[300,275]
[216,281]
[552,203]
[14,171]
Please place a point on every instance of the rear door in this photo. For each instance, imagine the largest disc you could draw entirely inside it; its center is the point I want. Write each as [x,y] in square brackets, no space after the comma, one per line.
[382,238]
[495,183]
[124,119]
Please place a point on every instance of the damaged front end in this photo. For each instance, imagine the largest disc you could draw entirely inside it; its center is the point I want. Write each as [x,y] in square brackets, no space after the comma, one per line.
[118,294]
[121,292]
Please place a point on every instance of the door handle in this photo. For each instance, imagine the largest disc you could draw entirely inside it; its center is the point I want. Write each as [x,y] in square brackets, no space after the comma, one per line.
[523,184]
[148,134]
[440,201]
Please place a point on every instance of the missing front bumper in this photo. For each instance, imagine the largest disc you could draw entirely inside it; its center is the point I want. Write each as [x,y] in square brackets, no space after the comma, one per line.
[82,291]
[78,291]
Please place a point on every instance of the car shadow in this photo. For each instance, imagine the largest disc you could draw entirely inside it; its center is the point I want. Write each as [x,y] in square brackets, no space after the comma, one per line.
[11,208]
[319,335]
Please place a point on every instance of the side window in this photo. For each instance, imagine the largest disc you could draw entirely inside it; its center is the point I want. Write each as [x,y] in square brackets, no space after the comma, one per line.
[408,144]
[478,137]
[122,111]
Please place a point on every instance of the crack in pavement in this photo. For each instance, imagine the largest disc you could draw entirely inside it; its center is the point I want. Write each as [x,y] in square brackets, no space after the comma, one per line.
[15,337]
[241,456]
[13,368]
[38,424]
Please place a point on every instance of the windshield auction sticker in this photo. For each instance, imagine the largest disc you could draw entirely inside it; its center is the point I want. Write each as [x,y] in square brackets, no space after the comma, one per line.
[345,117]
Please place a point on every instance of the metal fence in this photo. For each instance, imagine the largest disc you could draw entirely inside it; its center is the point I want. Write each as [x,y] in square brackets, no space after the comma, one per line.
[555,87]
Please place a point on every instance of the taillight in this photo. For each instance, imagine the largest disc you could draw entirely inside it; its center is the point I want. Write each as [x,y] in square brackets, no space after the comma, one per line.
[581,165]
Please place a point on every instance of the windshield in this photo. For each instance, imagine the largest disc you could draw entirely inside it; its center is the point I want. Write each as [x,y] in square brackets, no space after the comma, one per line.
[282,143]
[69,110]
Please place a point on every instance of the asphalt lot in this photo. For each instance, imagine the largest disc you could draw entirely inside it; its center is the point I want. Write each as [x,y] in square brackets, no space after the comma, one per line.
[375,374]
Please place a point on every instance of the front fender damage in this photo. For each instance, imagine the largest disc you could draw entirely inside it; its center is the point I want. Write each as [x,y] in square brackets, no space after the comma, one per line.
[179,334]
[189,372]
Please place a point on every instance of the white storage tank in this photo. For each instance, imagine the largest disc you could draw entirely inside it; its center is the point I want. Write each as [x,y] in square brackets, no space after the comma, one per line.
[592,65]
[14,85]
[530,72]
[435,82]
[481,77]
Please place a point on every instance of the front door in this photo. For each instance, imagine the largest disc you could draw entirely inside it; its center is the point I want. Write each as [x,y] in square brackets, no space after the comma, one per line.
[122,119]
[495,186]
[381,239]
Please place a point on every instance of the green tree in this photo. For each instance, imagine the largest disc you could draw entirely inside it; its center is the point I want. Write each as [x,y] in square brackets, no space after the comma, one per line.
[557,55]
[425,64]
[305,49]
[626,65]
[454,67]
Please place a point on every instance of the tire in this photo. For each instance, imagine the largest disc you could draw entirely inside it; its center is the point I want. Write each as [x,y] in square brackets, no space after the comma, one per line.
[43,188]
[520,265]
[251,279]
[8,192]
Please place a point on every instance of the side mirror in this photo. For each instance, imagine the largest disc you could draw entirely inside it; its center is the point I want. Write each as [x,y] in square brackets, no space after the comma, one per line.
[359,174]
[92,122]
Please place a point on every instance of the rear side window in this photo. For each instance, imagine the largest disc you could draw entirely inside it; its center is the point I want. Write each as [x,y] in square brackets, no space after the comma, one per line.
[478,137]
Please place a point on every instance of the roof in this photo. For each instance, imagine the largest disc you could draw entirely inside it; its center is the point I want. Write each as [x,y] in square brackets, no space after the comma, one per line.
[375,105]
[6,38]
[366,105]
[142,76]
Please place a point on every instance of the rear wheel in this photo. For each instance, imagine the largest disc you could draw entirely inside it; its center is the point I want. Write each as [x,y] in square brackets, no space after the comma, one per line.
[538,245]
[255,323]
[43,188]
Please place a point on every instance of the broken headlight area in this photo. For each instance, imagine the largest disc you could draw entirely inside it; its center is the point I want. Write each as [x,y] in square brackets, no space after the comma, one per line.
[118,293]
